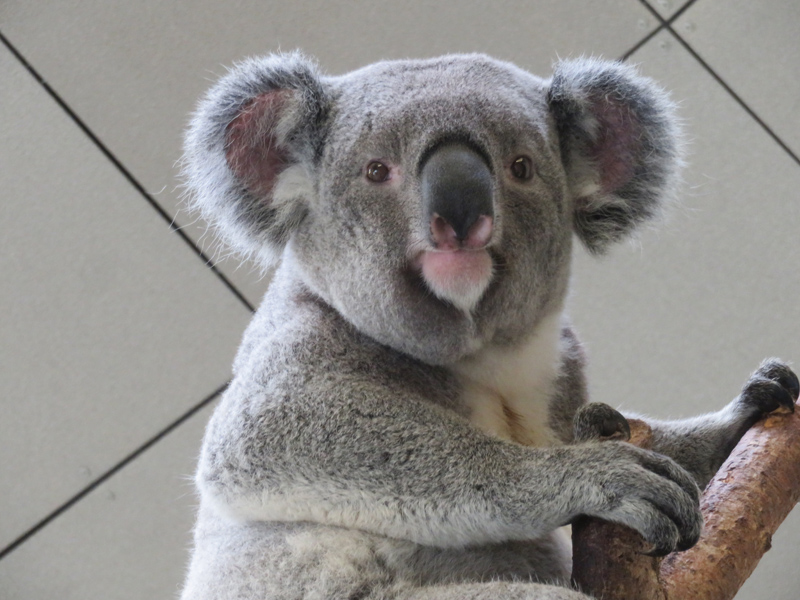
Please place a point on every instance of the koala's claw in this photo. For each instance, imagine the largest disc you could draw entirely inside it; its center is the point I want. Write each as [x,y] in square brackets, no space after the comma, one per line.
[598,421]
[777,371]
[681,545]
[652,494]
[647,492]
[772,387]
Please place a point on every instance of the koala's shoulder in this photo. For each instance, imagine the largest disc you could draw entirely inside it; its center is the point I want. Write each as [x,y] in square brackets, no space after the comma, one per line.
[298,345]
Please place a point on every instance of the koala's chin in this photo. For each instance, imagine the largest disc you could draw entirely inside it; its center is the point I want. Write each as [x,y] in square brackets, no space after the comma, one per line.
[457,276]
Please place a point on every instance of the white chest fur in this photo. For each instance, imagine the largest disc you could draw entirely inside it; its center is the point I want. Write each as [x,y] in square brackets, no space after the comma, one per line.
[508,390]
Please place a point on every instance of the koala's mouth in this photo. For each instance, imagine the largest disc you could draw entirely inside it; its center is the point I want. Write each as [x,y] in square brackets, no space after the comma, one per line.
[458,276]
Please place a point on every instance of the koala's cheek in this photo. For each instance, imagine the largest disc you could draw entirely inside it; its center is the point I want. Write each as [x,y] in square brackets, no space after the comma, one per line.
[459,277]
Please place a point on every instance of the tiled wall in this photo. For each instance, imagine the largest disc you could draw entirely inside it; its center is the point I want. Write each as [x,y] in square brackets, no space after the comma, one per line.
[117,331]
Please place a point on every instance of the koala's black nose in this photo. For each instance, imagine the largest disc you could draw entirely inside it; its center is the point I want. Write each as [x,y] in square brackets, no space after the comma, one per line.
[457,196]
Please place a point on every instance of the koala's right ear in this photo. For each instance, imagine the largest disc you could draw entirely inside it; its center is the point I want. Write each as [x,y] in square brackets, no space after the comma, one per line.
[249,148]
[620,143]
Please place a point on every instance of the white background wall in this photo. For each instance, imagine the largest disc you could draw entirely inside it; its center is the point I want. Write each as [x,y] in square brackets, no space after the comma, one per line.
[116,335]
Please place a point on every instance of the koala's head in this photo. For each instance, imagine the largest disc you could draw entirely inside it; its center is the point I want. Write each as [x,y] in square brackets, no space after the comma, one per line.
[431,202]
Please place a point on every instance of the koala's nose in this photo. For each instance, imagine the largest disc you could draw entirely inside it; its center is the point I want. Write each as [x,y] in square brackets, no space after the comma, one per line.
[457,197]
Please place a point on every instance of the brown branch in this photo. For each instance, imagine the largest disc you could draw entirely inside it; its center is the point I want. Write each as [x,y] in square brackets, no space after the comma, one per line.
[609,560]
[750,496]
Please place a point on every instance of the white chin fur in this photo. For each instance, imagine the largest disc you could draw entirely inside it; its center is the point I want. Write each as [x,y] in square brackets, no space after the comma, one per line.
[460,278]
[464,300]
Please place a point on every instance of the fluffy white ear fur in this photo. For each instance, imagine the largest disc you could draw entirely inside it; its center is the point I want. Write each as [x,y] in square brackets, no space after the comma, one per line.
[293,187]
[620,145]
[244,149]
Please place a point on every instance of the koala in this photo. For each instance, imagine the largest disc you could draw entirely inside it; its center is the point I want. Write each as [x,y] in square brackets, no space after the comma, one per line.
[408,414]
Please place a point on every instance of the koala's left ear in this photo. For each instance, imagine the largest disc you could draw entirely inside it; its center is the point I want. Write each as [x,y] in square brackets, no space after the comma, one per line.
[250,148]
[619,144]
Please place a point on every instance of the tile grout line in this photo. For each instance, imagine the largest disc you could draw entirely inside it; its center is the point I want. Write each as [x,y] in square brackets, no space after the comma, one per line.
[667,24]
[661,26]
[642,42]
[111,472]
[677,13]
[124,171]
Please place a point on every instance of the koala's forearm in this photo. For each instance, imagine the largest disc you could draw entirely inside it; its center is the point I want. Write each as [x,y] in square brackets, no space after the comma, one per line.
[412,472]
[701,444]
[406,468]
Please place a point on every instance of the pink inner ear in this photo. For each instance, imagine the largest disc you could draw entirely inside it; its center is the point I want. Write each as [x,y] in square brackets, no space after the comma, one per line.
[252,151]
[617,144]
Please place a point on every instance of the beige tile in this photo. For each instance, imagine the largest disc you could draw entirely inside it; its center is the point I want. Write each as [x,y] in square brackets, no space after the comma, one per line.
[133,70]
[128,539]
[675,324]
[755,48]
[111,325]
[667,8]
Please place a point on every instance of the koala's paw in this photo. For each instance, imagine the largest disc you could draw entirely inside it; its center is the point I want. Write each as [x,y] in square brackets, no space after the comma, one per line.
[644,490]
[773,387]
[598,421]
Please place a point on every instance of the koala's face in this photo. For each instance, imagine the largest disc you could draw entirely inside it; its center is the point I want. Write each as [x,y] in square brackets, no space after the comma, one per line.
[440,217]
[432,203]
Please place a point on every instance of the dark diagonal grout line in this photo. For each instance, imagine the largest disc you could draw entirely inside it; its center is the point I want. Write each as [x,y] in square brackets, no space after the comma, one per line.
[642,42]
[110,473]
[661,26]
[736,97]
[767,129]
[679,12]
[124,171]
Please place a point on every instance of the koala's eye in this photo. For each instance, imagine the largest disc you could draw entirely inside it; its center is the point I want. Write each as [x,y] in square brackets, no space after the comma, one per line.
[522,168]
[377,171]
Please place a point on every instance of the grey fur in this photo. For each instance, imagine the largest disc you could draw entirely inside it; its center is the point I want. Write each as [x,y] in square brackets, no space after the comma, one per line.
[349,458]
[588,98]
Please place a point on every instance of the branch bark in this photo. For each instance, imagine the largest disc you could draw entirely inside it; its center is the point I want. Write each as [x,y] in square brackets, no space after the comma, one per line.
[743,505]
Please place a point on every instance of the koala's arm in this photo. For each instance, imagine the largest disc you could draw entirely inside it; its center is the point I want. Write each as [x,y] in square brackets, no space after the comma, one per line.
[402,467]
[701,444]
[350,444]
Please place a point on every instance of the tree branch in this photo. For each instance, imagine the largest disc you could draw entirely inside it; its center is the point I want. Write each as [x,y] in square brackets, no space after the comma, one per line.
[743,505]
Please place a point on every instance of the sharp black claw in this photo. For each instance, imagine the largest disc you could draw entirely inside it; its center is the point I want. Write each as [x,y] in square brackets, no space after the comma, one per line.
[685,545]
[598,421]
[780,373]
[616,427]
[767,395]
[784,399]
[792,384]
[657,552]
